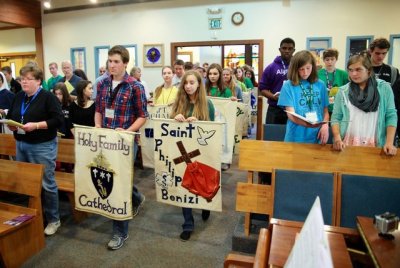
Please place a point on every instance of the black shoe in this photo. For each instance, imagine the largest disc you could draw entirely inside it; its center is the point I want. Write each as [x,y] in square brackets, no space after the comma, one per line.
[205,214]
[185,236]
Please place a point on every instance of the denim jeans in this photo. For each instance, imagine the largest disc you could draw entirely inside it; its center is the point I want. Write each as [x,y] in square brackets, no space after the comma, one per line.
[43,153]
[120,228]
[188,225]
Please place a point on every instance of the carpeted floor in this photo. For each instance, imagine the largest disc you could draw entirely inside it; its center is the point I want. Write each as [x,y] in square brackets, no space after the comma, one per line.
[153,234]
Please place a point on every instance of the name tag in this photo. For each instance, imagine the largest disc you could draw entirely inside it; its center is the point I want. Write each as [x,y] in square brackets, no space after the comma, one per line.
[109,113]
[312,116]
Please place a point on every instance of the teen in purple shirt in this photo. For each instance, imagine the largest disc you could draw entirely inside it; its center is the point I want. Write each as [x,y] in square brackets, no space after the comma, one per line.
[272,79]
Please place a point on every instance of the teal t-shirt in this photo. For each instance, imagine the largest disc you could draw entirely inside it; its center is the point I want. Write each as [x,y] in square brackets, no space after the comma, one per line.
[214,92]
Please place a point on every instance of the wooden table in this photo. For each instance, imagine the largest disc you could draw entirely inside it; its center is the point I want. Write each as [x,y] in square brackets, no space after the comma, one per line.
[384,253]
[284,235]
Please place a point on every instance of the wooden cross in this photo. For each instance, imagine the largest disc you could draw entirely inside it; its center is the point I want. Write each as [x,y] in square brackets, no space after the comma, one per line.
[185,157]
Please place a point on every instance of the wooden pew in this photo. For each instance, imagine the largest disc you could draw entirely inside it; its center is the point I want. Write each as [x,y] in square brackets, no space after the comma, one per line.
[260,259]
[266,247]
[263,156]
[18,243]
[65,181]
[382,194]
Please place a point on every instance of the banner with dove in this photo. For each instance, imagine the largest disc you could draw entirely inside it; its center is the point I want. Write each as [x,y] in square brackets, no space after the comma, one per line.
[147,133]
[225,112]
[242,123]
[187,163]
[104,171]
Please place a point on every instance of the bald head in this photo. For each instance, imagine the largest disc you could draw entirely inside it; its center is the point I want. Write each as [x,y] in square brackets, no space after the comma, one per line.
[67,69]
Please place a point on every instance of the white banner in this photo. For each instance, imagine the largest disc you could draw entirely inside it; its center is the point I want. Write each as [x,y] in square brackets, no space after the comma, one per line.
[242,123]
[104,171]
[225,112]
[147,134]
[188,163]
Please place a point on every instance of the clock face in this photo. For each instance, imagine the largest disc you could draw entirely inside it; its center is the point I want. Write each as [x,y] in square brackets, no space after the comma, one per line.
[237,18]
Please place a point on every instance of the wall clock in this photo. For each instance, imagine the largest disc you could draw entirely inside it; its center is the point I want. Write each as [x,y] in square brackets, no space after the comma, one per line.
[237,18]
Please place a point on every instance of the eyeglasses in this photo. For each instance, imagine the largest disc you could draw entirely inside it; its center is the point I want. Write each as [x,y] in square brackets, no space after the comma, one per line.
[26,79]
[356,70]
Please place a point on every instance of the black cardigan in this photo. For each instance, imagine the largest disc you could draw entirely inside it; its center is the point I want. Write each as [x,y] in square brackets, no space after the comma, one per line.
[45,107]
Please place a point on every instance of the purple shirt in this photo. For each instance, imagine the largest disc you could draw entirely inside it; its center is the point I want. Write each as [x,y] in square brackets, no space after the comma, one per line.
[273,77]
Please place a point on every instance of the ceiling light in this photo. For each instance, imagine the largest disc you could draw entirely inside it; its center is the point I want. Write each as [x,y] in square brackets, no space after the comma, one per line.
[93,1]
[47,4]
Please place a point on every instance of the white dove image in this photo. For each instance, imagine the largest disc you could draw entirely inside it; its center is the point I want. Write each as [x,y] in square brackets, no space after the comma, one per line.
[204,135]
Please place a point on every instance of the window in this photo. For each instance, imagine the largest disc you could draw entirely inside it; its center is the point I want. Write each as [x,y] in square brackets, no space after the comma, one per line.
[317,45]
[227,53]
[100,58]
[78,58]
[357,44]
[132,56]
[394,52]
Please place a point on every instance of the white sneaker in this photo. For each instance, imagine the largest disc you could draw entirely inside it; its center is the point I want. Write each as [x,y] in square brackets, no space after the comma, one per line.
[52,228]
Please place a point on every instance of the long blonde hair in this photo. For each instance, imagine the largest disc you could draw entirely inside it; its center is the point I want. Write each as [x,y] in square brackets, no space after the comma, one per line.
[158,90]
[232,82]
[182,101]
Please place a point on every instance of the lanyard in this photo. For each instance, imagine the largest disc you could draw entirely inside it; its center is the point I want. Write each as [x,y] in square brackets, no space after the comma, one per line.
[113,93]
[329,83]
[283,65]
[308,95]
[25,107]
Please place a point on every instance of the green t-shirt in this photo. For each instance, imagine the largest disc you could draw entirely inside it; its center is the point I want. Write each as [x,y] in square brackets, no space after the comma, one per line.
[248,83]
[339,78]
[52,81]
[211,110]
[44,85]
[214,92]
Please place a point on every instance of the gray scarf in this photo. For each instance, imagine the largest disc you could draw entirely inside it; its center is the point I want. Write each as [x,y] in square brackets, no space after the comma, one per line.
[366,100]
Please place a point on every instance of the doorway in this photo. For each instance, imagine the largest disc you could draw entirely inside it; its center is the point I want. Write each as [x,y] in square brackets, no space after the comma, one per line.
[16,61]
[231,53]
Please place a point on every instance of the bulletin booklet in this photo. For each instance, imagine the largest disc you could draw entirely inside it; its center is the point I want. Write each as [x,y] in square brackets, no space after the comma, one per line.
[306,120]
[11,123]
[17,124]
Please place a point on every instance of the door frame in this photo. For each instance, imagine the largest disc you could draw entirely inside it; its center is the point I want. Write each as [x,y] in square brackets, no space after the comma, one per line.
[259,42]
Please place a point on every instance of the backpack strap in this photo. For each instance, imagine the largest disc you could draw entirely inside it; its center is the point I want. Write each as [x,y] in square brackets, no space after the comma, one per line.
[393,74]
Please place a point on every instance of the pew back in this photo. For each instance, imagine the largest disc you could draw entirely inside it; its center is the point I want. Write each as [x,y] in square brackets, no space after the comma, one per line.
[265,155]
[366,196]
[295,192]
[18,243]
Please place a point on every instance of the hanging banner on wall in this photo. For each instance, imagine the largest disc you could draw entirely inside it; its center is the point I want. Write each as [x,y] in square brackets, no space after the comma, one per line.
[225,112]
[104,171]
[187,163]
[147,133]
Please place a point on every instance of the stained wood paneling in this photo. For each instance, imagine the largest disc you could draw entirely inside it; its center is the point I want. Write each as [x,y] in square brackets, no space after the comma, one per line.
[22,12]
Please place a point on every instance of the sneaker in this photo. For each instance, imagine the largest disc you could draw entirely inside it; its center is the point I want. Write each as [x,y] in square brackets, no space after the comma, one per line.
[135,209]
[117,242]
[52,228]
[224,167]
[185,236]
[205,214]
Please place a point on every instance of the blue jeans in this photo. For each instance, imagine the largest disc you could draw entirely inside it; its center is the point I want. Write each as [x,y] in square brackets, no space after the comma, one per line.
[43,153]
[188,225]
[120,228]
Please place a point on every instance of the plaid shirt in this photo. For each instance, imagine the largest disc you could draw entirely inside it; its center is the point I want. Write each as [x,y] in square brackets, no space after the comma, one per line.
[128,105]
